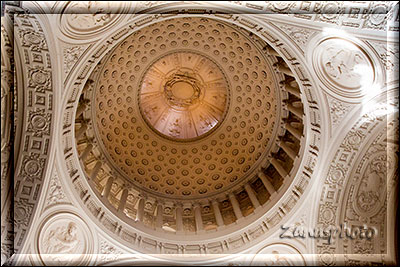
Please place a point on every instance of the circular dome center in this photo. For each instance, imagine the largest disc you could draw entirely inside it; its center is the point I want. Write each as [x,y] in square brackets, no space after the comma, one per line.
[182,90]
[186,114]
[183,95]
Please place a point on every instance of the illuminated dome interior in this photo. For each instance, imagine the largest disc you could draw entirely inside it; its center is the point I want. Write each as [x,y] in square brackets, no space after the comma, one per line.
[184,95]
[185,113]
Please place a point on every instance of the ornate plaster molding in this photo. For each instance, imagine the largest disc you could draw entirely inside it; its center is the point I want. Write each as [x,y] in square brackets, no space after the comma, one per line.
[300,35]
[37,92]
[71,55]
[142,241]
[346,196]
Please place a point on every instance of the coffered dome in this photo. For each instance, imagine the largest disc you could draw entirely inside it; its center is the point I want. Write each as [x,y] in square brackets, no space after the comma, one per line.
[189,124]
[155,133]
[194,80]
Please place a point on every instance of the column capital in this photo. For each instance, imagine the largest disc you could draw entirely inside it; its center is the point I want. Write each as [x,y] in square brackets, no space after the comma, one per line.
[261,174]
[142,195]
[126,186]
[159,202]
[214,201]
[231,194]
[196,205]
[178,204]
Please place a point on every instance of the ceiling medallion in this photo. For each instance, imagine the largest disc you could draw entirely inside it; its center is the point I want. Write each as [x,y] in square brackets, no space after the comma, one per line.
[183,95]
[182,90]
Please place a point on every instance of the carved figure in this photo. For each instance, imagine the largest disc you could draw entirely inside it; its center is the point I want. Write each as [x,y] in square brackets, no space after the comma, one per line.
[62,240]
[278,260]
[341,63]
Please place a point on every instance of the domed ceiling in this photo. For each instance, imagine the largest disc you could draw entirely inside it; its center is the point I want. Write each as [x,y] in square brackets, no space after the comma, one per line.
[186,107]
[183,95]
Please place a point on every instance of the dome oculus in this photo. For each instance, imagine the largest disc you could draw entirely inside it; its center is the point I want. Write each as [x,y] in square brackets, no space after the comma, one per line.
[183,95]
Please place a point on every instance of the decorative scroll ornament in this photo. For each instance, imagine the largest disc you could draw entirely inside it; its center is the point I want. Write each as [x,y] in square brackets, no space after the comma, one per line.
[338,110]
[33,167]
[35,86]
[365,174]
[109,252]
[22,210]
[39,79]
[300,35]
[39,122]
[370,192]
[33,39]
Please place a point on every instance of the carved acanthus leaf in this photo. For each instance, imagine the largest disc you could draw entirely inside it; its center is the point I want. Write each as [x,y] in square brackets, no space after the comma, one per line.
[71,55]
[338,110]
[55,192]
[300,35]
[389,56]
[108,252]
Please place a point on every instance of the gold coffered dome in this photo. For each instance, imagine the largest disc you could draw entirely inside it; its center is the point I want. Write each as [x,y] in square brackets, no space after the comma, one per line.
[183,95]
[186,107]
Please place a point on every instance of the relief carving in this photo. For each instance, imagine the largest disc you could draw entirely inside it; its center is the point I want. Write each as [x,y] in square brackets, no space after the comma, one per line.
[98,14]
[363,246]
[39,122]
[329,11]
[278,255]
[363,189]
[31,42]
[377,17]
[338,110]
[55,193]
[62,240]
[343,66]
[89,18]
[353,140]
[340,65]
[370,192]
[299,35]
[281,6]
[389,55]
[336,174]
[71,56]
[33,39]
[22,212]
[109,252]
[32,167]
[39,79]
